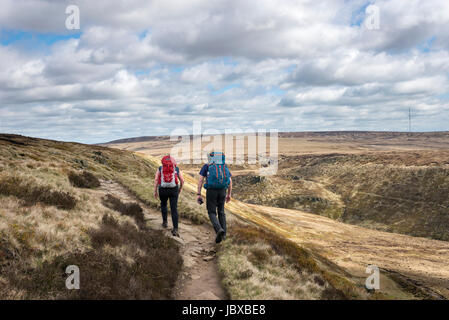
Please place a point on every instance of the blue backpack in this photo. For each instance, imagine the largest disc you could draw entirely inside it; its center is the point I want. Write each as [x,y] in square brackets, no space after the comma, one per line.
[218,175]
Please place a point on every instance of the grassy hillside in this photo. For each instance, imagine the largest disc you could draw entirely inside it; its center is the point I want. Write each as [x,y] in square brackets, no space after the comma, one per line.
[340,249]
[397,192]
[288,192]
[53,214]
[400,192]
[292,254]
[56,211]
[258,264]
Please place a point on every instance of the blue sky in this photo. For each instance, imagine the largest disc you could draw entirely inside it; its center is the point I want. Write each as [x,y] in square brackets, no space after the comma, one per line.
[12,37]
[147,68]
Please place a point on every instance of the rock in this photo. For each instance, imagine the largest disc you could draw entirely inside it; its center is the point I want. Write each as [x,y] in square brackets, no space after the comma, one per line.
[189,261]
[82,163]
[207,295]
[208,258]
[100,160]
[177,239]
[196,277]
[189,238]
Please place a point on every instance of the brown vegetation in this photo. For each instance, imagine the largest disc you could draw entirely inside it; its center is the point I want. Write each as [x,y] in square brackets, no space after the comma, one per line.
[131,209]
[49,222]
[256,254]
[83,180]
[103,273]
[408,199]
[31,193]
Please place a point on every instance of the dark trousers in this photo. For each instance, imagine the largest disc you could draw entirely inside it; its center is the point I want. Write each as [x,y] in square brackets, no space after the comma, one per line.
[215,202]
[165,194]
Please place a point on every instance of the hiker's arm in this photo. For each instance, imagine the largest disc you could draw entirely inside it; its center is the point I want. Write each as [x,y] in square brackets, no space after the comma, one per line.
[181,181]
[156,183]
[200,185]
[199,198]
[228,197]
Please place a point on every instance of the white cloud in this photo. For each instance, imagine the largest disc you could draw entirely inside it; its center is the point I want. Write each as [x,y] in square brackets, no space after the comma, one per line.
[145,67]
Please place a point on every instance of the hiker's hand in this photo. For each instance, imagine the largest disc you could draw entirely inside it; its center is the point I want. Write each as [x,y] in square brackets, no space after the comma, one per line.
[228,198]
[179,191]
[155,194]
[199,200]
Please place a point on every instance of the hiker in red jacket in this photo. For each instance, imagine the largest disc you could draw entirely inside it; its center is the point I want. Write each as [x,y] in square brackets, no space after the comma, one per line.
[168,184]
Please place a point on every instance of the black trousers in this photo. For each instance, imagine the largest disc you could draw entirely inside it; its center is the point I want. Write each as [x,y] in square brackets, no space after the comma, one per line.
[215,202]
[165,194]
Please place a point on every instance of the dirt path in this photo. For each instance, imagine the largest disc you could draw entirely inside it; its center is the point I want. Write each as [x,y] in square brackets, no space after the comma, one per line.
[200,278]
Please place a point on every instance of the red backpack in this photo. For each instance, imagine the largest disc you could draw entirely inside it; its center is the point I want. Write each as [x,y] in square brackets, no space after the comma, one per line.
[169,175]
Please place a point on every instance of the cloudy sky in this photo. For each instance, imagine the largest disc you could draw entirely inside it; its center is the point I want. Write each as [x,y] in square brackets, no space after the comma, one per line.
[141,67]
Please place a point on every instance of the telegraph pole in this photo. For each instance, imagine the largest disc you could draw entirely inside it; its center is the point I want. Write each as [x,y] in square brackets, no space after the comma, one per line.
[409,119]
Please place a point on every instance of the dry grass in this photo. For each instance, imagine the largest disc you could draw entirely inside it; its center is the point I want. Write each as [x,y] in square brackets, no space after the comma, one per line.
[121,265]
[32,193]
[39,238]
[408,199]
[417,177]
[257,264]
[403,192]
[84,180]
[131,209]
[289,192]
[351,248]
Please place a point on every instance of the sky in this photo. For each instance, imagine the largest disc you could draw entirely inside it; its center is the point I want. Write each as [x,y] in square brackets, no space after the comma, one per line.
[140,67]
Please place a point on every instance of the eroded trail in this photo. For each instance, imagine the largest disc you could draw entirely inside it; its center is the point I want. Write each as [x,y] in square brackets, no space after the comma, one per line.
[200,278]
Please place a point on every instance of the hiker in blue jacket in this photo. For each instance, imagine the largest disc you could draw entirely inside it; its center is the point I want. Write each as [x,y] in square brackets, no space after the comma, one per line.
[218,180]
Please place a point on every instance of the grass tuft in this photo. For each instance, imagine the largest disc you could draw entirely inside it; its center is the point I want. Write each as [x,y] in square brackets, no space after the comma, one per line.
[84,180]
[131,209]
[257,264]
[148,269]
[32,193]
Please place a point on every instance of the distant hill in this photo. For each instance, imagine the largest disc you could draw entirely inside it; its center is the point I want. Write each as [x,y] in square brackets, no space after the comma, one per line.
[312,134]
[137,139]
[365,134]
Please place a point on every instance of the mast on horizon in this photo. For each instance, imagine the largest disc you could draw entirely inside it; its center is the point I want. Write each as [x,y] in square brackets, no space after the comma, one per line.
[409,119]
